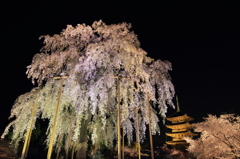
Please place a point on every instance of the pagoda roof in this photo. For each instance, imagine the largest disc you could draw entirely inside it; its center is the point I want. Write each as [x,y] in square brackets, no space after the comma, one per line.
[179,117]
[181,134]
[176,142]
[180,126]
[176,114]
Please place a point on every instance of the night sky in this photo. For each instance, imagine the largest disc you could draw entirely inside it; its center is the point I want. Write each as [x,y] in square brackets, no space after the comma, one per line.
[201,40]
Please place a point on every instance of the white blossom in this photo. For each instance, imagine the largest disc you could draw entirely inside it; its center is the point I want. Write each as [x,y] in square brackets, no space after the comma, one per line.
[92,57]
[219,137]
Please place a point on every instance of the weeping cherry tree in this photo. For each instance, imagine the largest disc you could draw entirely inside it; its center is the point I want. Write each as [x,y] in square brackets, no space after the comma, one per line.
[92,57]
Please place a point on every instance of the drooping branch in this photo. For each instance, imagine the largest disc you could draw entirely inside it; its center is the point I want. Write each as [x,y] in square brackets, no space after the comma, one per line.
[91,56]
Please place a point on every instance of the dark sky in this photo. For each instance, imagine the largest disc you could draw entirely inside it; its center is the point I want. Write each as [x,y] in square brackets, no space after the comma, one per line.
[200,39]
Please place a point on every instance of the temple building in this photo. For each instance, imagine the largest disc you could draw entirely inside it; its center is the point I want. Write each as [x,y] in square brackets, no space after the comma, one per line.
[180,127]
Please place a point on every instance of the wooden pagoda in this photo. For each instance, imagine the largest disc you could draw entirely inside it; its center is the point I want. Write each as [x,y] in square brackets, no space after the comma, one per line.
[180,127]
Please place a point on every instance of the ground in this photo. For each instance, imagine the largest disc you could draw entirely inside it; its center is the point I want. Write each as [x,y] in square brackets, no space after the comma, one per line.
[5,150]
[130,153]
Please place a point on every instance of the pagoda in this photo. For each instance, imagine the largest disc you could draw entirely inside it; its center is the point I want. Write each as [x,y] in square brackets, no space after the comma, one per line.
[180,127]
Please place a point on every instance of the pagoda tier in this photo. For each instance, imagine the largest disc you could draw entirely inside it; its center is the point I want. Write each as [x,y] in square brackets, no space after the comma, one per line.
[179,117]
[179,135]
[180,127]
[176,143]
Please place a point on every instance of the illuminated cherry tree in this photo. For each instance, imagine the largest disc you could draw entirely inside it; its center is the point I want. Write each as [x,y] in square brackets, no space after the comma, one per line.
[91,57]
[220,137]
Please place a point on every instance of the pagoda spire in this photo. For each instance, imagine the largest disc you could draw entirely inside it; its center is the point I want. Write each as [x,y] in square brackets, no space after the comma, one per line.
[178,109]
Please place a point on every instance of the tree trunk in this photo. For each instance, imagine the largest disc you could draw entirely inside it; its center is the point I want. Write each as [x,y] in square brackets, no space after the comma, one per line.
[81,152]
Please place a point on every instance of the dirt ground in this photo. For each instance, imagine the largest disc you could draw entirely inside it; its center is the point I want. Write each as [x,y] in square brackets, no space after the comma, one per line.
[5,151]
